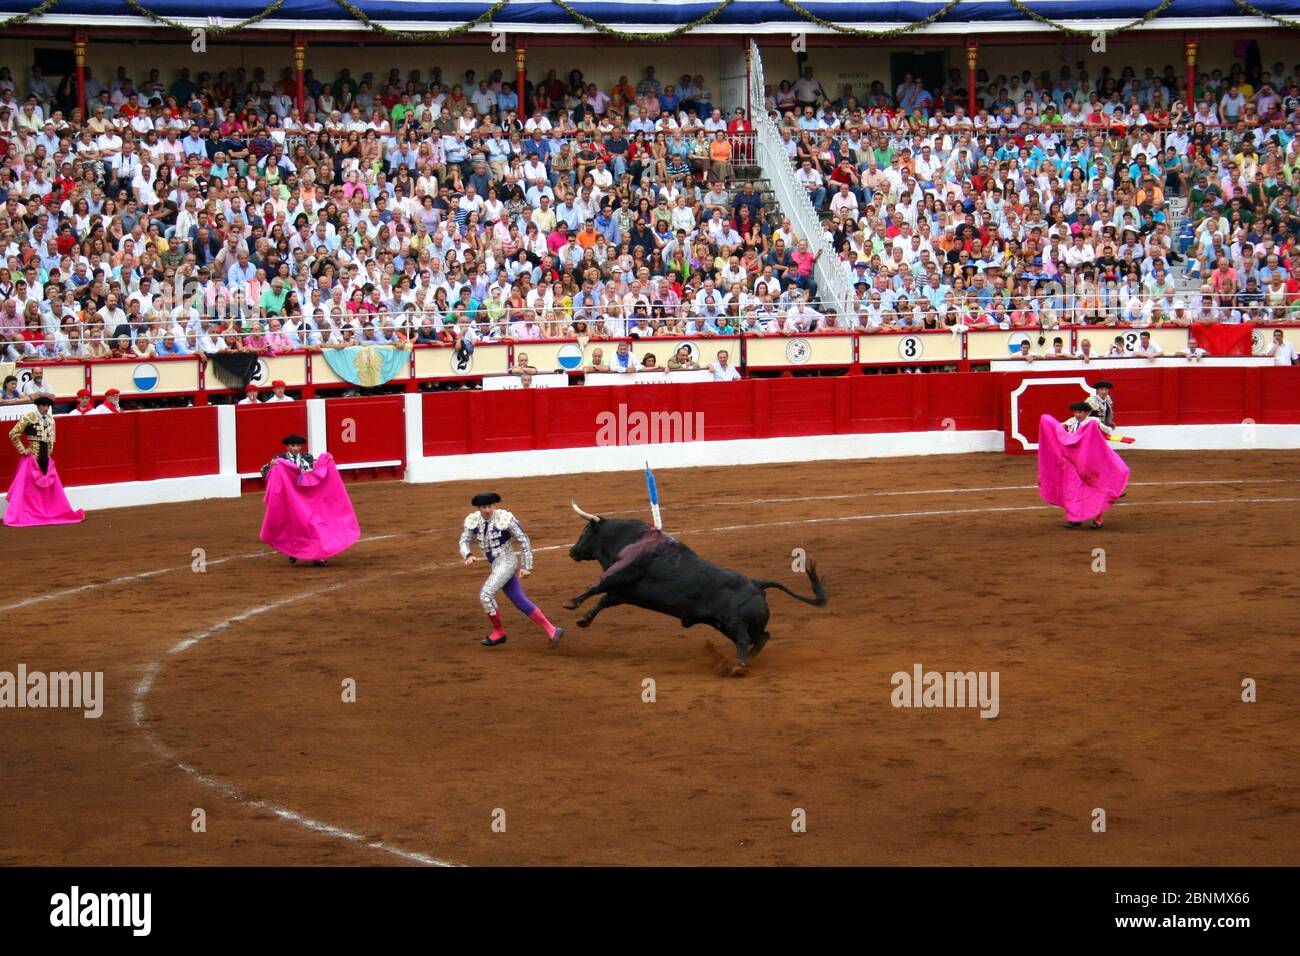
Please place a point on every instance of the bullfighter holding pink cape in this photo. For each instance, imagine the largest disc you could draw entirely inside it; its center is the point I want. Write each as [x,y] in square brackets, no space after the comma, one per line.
[309,515]
[36,495]
[1077,468]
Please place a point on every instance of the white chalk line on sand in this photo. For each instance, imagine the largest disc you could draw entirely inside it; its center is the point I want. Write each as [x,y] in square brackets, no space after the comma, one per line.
[227,789]
[976,511]
[144,575]
[232,792]
[951,491]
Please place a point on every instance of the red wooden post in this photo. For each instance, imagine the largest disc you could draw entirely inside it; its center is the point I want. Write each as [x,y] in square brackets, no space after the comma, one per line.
[299,64]
[972,56]
[79,44]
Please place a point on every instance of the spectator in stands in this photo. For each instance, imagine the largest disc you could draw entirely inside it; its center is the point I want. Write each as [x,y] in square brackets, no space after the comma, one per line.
[10,394]
[1147,347]
[278,393]
[723,370]
[1280,350]
[623,360]
[111,405]
[36,385]
[682,359]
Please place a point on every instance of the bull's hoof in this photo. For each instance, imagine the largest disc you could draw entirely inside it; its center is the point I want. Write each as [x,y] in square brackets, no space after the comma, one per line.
[584,622]
[570,605]
[741,669]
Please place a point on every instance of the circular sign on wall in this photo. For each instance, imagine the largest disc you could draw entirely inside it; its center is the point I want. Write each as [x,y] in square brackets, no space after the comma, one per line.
[1014,340]
[798,351]
[569,356]
[145,377]
[1258,342]
[462,359]
[911,347]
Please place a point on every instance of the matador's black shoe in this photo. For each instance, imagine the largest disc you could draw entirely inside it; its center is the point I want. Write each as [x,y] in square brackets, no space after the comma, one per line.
[293,560]
[555,638]
[488,642]
[321,563]
[1074,524]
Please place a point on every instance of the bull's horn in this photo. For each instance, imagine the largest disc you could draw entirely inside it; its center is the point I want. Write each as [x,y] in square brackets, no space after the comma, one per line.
[584,514]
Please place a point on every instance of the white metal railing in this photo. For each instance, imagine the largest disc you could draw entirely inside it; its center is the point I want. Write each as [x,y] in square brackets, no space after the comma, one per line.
[780,316]
[832,277]
[335,326]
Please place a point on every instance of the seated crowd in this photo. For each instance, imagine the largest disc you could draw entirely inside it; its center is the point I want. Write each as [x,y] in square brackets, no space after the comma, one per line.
[211,214]
[1050,206]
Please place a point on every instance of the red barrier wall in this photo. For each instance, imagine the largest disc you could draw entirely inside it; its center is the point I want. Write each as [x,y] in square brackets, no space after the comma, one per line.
[148,445]
[133,446]
[259,431]
[1267,395]
[466,422]
[365,429]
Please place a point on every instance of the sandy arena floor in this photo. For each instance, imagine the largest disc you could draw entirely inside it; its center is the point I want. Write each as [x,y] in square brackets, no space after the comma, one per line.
[1118,690]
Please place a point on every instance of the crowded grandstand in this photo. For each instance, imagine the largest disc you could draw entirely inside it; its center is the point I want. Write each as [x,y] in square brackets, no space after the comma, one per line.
[218,211]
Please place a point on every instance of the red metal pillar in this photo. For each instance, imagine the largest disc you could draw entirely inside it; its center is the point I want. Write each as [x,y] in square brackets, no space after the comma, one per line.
[521,110]
[972,56]
[80,42]
[299,64]
[1189,48]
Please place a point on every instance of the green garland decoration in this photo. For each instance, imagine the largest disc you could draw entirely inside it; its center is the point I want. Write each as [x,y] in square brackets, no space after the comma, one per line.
[185,28]
[873,34]
[360,16]
[1075,32]
[1255,11]
[672,34]
[20,18]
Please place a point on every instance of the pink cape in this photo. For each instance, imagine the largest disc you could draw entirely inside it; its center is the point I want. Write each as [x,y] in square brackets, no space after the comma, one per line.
[37,499]
[1078,471]
[309,515]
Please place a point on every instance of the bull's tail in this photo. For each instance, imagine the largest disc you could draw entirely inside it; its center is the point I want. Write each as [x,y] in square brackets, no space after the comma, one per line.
[819,598]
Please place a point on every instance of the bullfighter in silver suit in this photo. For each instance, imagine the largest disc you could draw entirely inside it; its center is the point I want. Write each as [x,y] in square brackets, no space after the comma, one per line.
[494,528]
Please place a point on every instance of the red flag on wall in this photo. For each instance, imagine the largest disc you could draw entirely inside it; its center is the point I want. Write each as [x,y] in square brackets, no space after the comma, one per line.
[1224,339]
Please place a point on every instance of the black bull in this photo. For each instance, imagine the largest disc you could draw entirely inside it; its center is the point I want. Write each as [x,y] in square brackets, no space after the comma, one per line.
[647,568]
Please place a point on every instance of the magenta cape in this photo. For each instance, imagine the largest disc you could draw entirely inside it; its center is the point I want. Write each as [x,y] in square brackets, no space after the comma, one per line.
[1078,471]
[36,499]
[309,515]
